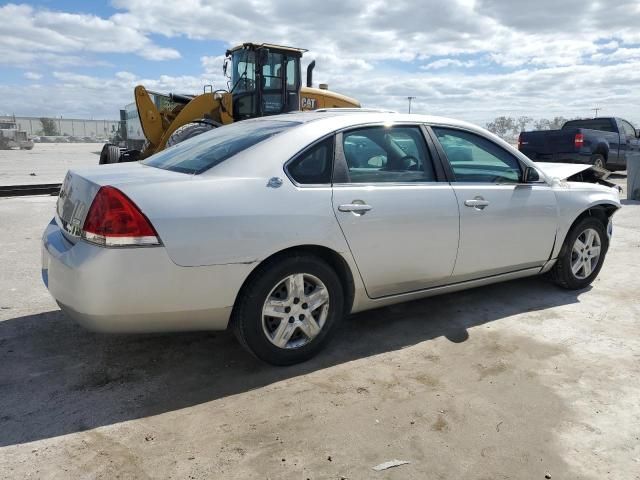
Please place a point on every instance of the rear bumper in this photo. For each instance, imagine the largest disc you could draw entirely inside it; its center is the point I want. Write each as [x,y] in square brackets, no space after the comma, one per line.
[136,289]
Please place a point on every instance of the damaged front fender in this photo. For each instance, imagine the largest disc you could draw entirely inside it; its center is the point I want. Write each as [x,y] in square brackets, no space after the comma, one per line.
[572,172]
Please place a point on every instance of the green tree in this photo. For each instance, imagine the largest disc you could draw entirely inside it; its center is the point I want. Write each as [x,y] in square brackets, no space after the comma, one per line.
[49,127]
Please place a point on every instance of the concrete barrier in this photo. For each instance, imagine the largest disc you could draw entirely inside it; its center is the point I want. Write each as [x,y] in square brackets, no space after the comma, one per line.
[633,179]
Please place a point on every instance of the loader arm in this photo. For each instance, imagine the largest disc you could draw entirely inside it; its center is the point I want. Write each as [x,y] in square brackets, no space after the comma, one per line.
[150,119]
[209,106]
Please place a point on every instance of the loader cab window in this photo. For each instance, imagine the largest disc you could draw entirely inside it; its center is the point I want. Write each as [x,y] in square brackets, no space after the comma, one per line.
[264,85]
[280,84]
[243,76]
[272,81]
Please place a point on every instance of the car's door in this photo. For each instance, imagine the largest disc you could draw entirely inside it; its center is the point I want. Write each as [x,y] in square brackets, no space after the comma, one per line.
[629,146]
[505,225]
[398,215]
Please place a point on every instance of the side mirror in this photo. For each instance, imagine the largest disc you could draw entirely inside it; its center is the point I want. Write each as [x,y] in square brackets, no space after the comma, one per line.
[224,66]
[638,133]
[530,175]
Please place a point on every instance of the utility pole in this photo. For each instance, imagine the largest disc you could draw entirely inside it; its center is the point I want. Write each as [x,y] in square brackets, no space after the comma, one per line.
[410,98]
[597,109]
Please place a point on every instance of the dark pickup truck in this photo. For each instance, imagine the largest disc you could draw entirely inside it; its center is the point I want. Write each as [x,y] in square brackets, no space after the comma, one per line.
[606,142]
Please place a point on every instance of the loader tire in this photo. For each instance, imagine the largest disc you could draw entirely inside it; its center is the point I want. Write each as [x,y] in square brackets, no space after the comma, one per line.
[109,154]
[187,131]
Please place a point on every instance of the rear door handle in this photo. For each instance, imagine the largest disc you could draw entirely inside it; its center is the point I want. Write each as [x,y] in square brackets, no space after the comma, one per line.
[477,203]
[357,207]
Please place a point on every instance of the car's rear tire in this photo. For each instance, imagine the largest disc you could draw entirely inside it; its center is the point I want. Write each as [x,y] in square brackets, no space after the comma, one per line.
[582,255]
[598,160]
[305,298]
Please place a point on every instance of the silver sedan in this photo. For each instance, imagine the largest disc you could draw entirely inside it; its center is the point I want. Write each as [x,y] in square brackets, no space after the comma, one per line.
[278,227]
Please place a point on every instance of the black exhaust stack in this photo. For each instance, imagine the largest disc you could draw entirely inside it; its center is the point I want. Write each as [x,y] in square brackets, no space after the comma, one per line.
[310,68]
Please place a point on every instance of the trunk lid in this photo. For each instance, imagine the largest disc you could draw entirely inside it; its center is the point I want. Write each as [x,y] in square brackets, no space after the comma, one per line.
[80,187]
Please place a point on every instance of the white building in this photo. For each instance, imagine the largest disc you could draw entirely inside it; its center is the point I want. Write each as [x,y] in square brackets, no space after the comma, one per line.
[76,127]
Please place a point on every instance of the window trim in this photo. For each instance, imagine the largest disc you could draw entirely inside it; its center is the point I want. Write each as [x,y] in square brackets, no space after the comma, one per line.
[623,122]
[304,150]
[449,169]
[341,176]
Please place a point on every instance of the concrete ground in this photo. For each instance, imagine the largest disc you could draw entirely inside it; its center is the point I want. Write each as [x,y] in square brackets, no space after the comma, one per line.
[512,381]
[48,162]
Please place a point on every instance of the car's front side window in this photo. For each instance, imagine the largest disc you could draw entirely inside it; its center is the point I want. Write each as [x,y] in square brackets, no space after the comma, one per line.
[387,154]
[477,159]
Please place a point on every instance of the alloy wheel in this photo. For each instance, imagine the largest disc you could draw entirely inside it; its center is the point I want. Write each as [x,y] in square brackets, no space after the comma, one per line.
[295,310]
[585,253]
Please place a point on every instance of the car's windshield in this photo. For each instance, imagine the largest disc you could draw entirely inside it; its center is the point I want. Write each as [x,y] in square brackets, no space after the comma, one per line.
[200,153]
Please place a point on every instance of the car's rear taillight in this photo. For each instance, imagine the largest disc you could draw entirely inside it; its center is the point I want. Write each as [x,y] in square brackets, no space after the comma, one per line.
[114,220]
[578,141]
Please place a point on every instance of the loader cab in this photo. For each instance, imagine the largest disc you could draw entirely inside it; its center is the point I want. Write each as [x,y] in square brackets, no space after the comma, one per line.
[264,79]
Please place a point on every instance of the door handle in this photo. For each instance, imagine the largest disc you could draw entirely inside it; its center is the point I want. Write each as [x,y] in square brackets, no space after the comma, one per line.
[357,206]
[477,203]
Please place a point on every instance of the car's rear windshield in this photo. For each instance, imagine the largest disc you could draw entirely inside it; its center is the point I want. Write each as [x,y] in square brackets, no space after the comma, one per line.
[603,124]
[207,150]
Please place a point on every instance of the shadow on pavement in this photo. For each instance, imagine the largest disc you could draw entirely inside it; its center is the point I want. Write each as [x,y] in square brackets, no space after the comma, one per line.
[618,175]
[57,378]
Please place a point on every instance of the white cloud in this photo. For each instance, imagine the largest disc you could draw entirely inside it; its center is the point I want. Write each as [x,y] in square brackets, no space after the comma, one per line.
[448,62]
[619,55]
[546,92]
[548,58]
[32,36]
[32,75]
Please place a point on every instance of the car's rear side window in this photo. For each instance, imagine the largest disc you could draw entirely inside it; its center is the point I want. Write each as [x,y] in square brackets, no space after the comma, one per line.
[603,124]
[207,150]
[313,166]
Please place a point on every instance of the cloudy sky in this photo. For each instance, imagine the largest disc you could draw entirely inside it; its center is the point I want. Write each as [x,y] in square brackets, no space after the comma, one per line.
[469,59]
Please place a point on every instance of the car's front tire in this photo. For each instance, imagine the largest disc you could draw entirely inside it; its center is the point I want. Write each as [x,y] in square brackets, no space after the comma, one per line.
[582,255]
[288,309]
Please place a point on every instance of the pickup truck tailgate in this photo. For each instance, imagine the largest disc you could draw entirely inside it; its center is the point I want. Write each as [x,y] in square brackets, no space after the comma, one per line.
[546,142]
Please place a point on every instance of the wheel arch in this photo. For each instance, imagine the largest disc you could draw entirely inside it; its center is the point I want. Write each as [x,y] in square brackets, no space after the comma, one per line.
[602,210]
[602,149]
[330,256]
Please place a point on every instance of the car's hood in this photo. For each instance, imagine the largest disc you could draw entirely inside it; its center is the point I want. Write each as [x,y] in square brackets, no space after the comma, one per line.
[562,171]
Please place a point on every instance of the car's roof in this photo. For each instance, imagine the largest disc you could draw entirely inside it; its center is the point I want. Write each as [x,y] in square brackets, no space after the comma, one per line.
[354,116]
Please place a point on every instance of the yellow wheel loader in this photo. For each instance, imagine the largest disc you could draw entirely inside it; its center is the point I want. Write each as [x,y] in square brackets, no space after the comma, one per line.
[264,80]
